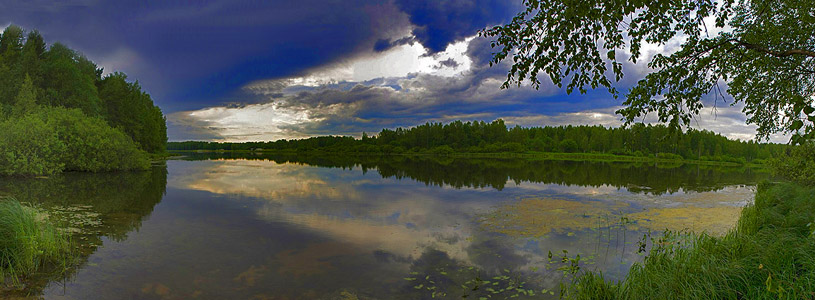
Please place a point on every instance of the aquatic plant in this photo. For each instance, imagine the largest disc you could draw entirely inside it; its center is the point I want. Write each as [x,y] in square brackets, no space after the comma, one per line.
[435,275]
[28,242]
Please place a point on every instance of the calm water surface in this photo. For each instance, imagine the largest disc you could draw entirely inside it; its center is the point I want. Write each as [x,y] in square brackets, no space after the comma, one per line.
[281,227]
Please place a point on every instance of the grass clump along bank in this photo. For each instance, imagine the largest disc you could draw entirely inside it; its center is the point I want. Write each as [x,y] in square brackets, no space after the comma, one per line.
[769,255]
[28,242]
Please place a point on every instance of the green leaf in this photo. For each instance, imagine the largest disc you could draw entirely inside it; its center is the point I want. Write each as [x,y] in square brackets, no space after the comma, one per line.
[797,124]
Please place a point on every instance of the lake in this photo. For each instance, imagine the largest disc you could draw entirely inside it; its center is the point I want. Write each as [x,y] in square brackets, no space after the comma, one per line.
[246,226]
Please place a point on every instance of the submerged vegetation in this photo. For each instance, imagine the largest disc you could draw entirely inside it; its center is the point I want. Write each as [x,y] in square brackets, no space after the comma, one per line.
[28,242]
[58,112]
[654,141]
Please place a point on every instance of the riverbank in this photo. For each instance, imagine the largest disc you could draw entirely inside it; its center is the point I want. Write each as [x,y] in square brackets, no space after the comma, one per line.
[769,254]
[599,157]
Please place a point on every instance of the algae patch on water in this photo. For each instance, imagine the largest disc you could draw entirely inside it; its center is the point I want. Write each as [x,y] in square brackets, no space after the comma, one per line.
[537,217]
[712,220]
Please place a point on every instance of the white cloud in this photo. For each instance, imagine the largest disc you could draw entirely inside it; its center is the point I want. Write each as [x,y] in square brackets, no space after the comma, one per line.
[726,120]
[256,122]
[730,122]
[399,61]
[605,117]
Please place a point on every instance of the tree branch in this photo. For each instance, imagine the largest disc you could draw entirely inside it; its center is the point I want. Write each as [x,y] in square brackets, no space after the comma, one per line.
[786,53]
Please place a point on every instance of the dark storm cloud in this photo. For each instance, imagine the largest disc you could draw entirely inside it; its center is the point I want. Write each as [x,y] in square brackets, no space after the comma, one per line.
[191,55]
[442,22]
[386,44]
[448,63]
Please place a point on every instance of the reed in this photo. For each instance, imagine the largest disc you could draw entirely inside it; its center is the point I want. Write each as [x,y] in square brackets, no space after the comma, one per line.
[28,242]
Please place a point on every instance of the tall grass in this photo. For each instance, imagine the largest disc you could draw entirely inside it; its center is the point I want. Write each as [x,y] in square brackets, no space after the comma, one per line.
[769,255]
[27,242]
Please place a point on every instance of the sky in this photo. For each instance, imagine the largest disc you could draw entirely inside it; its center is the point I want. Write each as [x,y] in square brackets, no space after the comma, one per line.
[266,70]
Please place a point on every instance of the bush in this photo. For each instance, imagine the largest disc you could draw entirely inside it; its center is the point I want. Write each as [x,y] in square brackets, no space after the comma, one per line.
[728,158]
[29,147]
[664,155]
[474,149]
[92,145]
[568,146]
[442,150]
[56,139]
[512,147]
[619,152]
[492,148]
[797,165]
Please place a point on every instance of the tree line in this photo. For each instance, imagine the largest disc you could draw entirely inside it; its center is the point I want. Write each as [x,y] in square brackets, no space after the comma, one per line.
[638,177]
[495,137]
[58,112]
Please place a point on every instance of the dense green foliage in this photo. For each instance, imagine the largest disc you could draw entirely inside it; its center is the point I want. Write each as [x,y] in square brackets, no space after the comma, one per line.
[764,51]
[27,242]
[132,110]
[55,139]
[796,164]
[56,76]
[479,137]
[91,144]
[29,146]
[57,112]
[769,255]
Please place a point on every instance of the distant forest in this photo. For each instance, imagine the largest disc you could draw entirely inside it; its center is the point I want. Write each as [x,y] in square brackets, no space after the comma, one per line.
[638,177]
[495,137]
[58,112]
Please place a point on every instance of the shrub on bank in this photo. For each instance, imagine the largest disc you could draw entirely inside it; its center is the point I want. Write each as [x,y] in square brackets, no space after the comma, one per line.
[664,155]
[29,146]
[53,139]
[92,145]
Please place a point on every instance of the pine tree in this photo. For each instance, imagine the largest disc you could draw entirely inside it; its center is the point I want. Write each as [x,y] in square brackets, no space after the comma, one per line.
[26,100]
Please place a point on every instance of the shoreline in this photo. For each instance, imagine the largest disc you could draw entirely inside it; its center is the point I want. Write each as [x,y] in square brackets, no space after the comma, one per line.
[595,157]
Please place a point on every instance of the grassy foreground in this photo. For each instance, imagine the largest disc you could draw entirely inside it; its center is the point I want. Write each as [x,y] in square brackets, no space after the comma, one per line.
[27,243]
[769,255]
